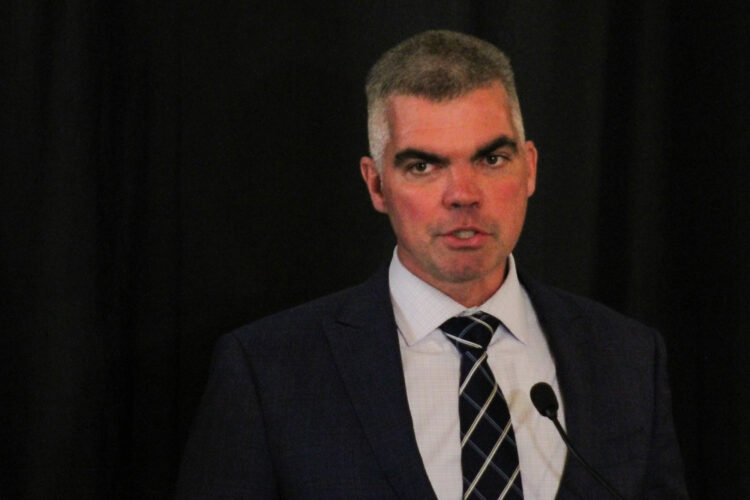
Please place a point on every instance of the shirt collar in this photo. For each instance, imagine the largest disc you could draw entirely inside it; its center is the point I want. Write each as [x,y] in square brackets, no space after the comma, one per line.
[419,308]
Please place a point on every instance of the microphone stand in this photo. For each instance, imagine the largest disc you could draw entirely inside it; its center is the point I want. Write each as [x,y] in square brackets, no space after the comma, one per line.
[545,401]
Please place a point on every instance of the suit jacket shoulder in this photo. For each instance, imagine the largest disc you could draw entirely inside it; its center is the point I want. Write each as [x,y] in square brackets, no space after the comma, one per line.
[298,323]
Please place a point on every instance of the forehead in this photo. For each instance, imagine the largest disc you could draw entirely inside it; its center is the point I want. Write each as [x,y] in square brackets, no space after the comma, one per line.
[464,122]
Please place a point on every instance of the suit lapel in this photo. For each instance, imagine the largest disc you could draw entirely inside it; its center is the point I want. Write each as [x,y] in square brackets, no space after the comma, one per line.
[365,347]
[567,334]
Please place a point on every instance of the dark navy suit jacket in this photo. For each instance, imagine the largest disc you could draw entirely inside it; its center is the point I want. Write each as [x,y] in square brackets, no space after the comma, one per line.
[311,403]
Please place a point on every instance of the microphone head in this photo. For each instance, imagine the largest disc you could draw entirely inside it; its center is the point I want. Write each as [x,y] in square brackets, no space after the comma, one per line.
[544,399]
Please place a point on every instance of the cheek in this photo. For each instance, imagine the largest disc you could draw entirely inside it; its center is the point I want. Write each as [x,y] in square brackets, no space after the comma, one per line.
[510,192]
[409,209]
[510,199]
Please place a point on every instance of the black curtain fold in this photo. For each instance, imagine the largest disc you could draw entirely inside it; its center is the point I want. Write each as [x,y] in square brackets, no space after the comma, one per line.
[169,172]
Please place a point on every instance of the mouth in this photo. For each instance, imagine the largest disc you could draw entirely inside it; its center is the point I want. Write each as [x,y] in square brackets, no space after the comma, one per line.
[464,234]
[465,238]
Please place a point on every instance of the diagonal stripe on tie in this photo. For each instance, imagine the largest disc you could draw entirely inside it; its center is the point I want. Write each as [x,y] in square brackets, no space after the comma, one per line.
[489,458]
[477,365]
[479,417]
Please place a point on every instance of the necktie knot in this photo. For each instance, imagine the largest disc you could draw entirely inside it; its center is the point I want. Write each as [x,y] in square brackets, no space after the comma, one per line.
[471,333]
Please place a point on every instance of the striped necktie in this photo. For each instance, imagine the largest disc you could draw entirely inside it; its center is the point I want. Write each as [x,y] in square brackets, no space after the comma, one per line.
[489,459]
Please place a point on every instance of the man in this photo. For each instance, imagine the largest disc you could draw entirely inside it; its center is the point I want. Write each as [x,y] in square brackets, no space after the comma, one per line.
[415,384]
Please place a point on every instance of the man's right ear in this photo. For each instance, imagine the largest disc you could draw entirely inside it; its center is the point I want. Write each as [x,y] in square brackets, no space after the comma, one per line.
[373,179]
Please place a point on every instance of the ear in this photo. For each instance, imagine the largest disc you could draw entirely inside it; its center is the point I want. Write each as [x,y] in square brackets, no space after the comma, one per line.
[374,183]
[530,157]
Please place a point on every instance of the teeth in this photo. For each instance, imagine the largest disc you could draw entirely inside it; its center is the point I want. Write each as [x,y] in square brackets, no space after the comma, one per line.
[464,234]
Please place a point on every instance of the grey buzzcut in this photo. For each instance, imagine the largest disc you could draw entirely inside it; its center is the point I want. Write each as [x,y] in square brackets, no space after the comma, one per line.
[438,65]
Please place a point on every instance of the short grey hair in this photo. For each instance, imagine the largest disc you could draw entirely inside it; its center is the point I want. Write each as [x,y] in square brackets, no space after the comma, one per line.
[439,65]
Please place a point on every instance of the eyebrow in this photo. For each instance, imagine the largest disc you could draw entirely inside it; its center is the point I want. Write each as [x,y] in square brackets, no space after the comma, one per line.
[501,142]
[417,154]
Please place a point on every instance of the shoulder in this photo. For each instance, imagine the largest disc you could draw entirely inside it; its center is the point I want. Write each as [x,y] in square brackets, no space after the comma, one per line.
[305,324]
[587,308]
[584,317]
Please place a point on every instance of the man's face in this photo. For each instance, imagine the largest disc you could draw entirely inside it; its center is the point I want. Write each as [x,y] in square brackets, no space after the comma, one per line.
[454,183]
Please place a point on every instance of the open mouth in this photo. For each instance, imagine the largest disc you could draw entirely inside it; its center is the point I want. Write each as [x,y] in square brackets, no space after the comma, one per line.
[464,234]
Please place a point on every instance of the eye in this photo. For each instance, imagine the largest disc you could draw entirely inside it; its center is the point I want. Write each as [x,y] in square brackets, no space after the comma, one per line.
[420,168]
[495,160]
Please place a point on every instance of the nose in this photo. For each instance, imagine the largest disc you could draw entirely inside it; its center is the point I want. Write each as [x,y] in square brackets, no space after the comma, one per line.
[462,188]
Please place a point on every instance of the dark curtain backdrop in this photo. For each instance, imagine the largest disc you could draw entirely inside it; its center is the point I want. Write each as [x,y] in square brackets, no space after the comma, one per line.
[170,171]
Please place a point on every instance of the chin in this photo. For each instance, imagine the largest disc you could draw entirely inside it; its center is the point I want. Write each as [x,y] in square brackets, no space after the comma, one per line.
[462,274]
[467,271]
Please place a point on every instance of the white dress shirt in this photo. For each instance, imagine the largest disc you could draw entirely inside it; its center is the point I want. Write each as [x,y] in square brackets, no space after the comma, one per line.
[518,356]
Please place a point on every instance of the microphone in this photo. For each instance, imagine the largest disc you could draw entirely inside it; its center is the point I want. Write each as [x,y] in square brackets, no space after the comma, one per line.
[545,402]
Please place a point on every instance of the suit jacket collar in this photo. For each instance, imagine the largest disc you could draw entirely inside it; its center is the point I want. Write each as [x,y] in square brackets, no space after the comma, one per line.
[365,347]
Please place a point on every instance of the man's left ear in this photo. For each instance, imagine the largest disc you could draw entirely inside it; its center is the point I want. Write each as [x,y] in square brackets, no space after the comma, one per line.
[374,183]
[530,156]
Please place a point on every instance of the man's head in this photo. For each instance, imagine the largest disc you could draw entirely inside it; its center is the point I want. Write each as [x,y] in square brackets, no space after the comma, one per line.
[455,172]
[438,65]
